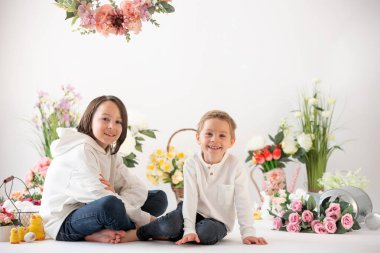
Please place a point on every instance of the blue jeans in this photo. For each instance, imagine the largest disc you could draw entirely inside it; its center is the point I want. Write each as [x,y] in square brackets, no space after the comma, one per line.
[170,227]
[107,213]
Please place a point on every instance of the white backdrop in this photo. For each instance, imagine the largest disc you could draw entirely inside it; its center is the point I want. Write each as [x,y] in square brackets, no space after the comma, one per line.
[250,58]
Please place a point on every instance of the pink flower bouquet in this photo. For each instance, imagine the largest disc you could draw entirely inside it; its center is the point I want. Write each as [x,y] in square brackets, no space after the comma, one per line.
[112,18]
[334,217]
[6,218]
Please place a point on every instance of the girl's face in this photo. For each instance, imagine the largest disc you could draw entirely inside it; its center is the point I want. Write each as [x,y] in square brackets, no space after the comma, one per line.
[215,138]
[106,124]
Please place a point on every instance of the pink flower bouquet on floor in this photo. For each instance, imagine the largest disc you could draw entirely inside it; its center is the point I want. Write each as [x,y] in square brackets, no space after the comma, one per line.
[334,217]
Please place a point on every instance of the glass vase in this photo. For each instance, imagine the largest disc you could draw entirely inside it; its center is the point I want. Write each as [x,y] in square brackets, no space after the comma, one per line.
[315,168]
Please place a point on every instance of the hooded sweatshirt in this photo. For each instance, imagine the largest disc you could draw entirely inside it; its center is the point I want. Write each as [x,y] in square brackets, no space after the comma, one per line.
[73,176]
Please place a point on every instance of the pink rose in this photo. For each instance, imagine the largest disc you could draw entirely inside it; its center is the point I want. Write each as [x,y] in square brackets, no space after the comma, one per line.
[333,216]
[313,223]
[277,223]
[334,208]
[319,228]
[330,225]
[296,205]
[347,221]
[293,227]
[294,218]
[307,216]
[281,213]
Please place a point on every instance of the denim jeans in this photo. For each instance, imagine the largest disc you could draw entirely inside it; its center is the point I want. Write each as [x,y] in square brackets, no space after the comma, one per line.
[170,227]
[107,213]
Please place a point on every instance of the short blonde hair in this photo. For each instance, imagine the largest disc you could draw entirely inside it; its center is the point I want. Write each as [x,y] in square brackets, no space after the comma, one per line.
[216,114]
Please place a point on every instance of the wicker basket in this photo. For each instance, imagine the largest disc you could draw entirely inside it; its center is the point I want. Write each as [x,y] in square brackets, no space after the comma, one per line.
[178,192]
[23,218]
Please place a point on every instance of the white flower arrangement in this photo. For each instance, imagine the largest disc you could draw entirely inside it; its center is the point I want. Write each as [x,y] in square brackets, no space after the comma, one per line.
[342,178]
[137,129]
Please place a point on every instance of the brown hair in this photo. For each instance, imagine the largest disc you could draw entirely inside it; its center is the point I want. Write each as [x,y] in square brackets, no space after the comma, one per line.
[86,120]
[216,114]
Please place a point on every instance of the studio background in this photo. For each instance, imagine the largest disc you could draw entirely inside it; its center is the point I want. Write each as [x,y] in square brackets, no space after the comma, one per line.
[250,58]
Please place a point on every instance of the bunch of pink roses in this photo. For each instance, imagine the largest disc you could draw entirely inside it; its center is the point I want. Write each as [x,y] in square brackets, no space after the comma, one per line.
[110,18]
[334,217]
[6,218]
[34,180]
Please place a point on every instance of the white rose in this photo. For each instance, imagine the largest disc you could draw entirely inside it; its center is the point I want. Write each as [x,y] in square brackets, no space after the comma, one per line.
[136,121]
[128,145]
[289,145]
[304,140]
[256,143]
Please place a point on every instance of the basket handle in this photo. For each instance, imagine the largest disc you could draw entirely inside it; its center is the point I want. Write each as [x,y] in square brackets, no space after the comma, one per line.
[8,179]
[176,132]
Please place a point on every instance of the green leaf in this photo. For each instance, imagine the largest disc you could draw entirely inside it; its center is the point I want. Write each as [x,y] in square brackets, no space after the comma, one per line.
[148,132]
[151,10]
[168,8]
[340,229]
[356,225]
[138,146]
[74,20]
[311,204]
[279,137]
[69,15]
[130,162]
[138,138]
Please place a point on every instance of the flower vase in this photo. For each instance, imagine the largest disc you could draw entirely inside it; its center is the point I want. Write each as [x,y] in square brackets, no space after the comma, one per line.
[5,232]
[274,181]
[178,192]
[315,168]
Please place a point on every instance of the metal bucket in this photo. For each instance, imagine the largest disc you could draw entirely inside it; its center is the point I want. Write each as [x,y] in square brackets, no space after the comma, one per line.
[359,200]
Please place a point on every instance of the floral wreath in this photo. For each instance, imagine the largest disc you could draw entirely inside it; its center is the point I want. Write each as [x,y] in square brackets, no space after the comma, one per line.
[109,18]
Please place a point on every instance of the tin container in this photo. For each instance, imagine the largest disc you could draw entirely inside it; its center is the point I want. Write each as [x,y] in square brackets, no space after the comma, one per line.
[359,200]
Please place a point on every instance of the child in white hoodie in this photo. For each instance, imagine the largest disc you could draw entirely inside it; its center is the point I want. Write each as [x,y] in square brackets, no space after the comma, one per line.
[89,194]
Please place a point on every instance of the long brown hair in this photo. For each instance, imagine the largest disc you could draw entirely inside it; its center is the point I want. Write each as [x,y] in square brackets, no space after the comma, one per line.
[86,120]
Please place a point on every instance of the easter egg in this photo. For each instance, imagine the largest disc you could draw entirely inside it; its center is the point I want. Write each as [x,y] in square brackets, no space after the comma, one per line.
[29,237]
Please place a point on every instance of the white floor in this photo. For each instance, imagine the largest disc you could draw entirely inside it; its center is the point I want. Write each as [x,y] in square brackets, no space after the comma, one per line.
[358,241]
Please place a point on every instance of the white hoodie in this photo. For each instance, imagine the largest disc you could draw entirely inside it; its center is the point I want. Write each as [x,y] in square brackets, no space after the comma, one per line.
[73,176]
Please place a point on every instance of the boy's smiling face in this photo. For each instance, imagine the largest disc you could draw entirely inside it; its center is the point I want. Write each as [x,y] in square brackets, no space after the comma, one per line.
[215,138]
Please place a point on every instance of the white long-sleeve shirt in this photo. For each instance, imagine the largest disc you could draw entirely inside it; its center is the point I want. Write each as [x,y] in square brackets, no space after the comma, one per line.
[218,191]
[73,176]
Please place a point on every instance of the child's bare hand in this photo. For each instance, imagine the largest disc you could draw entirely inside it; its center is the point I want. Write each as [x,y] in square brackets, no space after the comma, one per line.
[254,240]
[106,183]
[152,218]
[188,238]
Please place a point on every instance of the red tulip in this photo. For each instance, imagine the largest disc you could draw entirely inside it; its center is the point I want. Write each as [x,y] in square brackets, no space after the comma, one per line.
[276,153]
[267,154]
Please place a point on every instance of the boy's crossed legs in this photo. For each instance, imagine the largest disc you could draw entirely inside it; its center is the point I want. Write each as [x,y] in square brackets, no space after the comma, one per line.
[170,227]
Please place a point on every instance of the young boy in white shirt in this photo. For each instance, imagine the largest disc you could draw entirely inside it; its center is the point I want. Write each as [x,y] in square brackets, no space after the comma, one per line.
[216,189]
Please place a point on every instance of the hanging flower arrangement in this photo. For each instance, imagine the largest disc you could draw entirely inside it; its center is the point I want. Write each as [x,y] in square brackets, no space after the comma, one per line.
[111,18]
